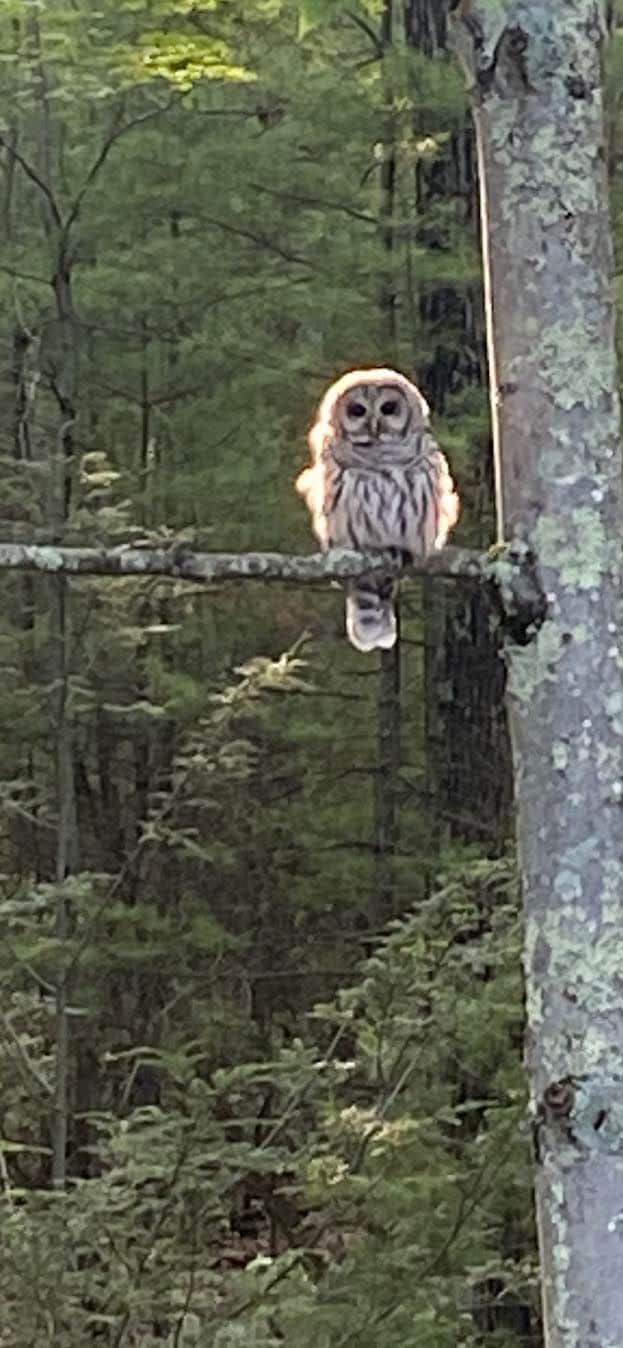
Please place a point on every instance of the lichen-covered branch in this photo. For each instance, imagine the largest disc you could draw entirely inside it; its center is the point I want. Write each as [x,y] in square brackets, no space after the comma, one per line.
[535,74]
[182,562]
[512,569]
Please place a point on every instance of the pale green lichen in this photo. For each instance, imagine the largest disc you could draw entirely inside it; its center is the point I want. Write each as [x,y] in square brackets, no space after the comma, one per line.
[530,665]
[576,546]
[503,123]
[49,558]
[560,756]
[608,760]
[534,993]
[571,381]
[560,1263]
[613,704]
[568,886]
[581,854]
[541,171]
[595,968]
[612,897]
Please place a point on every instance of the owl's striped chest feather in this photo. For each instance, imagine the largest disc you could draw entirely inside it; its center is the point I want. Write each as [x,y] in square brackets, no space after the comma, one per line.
[384,507]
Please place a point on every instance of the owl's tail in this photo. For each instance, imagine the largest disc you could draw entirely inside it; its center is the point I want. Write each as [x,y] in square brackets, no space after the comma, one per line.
[370,613]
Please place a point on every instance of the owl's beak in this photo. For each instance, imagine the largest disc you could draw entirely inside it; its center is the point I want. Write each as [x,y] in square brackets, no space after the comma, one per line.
[374,426]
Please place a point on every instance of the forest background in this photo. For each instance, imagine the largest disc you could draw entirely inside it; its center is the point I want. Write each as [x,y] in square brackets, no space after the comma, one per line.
[260,990]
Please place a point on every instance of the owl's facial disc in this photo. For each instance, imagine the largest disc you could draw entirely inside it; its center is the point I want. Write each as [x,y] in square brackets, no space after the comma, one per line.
[374,414]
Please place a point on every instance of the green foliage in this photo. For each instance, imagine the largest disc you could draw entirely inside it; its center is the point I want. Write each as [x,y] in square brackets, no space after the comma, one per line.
[195,230]
[388,1139]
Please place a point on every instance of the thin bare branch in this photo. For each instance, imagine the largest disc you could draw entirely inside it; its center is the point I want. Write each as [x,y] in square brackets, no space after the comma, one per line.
[29,1067]
[259,240]
[316,203]
[366,28]
[24,275]
[118,129]
[5,1179]
[35,177]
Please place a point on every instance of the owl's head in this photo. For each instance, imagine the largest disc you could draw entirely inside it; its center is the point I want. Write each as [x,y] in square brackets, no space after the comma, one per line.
[372,408]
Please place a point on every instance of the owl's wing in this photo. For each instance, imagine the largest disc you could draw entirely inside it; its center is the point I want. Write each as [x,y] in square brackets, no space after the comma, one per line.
[311,486]
[448,503]
[431,507]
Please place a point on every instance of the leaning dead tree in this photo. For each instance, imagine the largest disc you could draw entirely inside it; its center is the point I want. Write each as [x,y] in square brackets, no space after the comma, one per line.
[534,68]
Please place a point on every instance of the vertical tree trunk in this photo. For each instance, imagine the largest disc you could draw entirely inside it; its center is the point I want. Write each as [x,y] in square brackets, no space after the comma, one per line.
[389,702]
[66,860]
[425,23]
[535,71]
[59,359]
[468,770]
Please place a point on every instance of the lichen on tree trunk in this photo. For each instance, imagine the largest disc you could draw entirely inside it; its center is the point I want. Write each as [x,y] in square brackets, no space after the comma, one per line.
[534,67]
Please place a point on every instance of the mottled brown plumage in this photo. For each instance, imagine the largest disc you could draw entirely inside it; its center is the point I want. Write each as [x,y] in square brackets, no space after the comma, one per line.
[377,480]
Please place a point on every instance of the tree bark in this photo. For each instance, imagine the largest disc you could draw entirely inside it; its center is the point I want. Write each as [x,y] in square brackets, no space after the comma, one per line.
[66,859]
[511,571]
[389,695]
[58,355]
[534,67]
[468,758]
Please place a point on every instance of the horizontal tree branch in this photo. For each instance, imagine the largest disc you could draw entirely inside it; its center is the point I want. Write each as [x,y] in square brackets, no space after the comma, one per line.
[181,562]
[510,569]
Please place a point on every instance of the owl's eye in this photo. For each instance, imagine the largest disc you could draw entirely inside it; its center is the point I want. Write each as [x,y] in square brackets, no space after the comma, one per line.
[390,407]
[356,410]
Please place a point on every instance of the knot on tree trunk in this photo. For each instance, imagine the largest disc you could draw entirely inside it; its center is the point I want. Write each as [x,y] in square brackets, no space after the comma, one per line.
[491,50]
[519,595]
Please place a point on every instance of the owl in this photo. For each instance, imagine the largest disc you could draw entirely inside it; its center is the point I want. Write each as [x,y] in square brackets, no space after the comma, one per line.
[377,480]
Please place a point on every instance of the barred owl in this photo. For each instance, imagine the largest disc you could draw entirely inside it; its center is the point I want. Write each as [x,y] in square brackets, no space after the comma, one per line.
[377,480]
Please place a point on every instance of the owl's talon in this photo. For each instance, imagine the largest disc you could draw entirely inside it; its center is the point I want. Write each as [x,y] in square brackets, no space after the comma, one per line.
[401,555]
[179,552]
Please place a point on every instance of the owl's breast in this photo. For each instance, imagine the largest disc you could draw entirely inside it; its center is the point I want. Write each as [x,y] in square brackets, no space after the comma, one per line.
[363,508]
[397,507]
